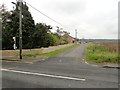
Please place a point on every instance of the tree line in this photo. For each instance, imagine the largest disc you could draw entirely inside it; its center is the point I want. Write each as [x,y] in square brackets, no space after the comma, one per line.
[33,35]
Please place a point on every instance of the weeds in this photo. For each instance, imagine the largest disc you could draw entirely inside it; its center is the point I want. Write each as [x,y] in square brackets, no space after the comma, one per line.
[101,52]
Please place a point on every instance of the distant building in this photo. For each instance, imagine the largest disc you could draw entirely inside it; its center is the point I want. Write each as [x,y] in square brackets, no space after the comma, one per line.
[69,38]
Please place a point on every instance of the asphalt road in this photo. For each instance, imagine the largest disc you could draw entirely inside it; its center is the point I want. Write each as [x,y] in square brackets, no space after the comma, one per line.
[66,70]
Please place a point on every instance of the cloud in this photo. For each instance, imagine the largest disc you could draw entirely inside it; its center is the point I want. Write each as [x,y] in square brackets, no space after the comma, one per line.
[64,9]
[71,8]
[92,18]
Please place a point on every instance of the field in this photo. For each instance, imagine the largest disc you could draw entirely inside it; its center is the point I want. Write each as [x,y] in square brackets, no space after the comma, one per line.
[103,52]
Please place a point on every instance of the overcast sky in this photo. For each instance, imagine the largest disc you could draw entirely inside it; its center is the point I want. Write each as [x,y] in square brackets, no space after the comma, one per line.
[91,18]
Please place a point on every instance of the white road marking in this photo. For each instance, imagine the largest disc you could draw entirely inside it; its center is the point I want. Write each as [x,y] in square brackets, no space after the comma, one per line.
[86,62]
[91,64]
[45,75]
[83,59]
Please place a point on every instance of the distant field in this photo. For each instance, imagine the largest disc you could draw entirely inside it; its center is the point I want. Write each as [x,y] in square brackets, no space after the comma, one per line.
[112,46]
[103,52]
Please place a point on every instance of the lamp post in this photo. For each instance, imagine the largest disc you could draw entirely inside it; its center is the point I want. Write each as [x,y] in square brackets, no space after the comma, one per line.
[20,27]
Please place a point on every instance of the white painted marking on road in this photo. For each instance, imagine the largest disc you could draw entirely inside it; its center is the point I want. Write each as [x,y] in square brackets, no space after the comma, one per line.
[91,64]
[45,75]
[86,62]
[83,59]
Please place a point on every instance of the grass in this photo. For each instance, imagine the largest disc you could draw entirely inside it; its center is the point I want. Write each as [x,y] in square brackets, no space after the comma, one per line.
[99,53]
[51,54]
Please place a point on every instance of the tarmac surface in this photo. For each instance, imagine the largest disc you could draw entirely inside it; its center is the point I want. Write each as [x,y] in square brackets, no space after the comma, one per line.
[66,70]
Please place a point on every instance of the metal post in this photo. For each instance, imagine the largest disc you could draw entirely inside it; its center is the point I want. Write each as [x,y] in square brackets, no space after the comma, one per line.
[14,46]
[76,33]
[20,28]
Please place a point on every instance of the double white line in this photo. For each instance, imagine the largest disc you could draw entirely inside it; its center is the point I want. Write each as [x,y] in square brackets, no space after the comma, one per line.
[45,75]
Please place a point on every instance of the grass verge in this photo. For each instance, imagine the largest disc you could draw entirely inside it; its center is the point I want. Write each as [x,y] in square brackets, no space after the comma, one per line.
[100,54]
[51,54]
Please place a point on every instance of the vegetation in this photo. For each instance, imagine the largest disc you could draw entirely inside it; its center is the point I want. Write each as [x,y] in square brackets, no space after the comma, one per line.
[33,35]
[102,53]
[6,42]
[51,54]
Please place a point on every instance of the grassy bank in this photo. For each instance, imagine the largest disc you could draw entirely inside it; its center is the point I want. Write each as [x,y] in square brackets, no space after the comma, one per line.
[51,54]
[101,53]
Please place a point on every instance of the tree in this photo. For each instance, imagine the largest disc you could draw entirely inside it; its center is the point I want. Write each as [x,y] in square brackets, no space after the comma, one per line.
[41,35]
[7,42]
[33,36]
[28,26]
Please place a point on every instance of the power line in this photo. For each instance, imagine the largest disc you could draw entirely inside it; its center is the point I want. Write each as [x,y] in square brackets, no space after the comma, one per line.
[45,14]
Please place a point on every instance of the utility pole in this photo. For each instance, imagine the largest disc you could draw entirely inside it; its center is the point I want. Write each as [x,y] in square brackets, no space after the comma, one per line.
[20,28]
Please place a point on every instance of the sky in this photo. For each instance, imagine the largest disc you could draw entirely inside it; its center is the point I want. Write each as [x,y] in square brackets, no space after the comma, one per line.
[93,19]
